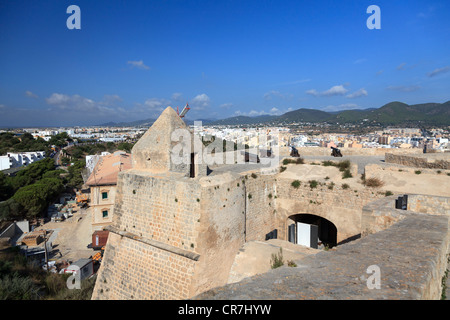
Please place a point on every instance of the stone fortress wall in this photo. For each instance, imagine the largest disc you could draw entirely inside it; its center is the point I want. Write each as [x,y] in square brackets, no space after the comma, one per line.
[432,160]
[322,151]
[411,256]
[179,236]
[175,237]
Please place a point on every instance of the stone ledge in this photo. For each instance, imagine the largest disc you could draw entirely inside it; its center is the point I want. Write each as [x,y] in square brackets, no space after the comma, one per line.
[160,245]
[432,161]
[411,255]
[381,214]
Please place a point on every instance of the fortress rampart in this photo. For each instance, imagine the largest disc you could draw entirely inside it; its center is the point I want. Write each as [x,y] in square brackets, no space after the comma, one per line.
[431,161]
[174,237]
[411,254]
[177,229]
[322,151]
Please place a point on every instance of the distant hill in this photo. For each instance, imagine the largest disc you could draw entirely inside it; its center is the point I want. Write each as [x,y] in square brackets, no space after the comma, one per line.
[305,115]
[396,113]
[146,122]
[393,113]
[245,120]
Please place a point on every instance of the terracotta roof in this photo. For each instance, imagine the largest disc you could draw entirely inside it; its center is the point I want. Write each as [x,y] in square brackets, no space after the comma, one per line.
[108,167]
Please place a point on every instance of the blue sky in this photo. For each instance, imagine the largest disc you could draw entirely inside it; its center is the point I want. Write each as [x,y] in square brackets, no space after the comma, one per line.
[131,59]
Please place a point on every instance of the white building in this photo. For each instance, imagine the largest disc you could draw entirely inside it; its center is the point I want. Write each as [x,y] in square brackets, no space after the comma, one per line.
[14,160]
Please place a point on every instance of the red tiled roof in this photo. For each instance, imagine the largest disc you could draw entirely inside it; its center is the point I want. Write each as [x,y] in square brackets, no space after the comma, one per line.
[107,169]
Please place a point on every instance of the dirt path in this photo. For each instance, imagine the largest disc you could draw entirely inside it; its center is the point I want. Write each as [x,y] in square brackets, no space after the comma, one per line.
[72,237]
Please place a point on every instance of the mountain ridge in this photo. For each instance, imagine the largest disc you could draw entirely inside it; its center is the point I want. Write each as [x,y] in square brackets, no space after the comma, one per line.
[392,113]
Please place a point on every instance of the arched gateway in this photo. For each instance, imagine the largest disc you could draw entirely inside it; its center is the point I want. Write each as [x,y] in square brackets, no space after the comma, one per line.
[311,230]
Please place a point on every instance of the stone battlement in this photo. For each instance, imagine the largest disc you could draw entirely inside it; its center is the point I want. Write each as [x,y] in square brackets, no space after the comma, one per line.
[411,255]
[178,227]
[429,160]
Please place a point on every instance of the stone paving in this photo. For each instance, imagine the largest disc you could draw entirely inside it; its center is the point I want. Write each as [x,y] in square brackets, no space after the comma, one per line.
[410,255]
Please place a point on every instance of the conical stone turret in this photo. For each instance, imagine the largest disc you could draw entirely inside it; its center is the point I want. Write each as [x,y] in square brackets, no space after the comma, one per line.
[168,136]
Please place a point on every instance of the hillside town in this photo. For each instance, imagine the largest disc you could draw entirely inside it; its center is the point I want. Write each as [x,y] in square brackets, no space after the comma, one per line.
[433,139]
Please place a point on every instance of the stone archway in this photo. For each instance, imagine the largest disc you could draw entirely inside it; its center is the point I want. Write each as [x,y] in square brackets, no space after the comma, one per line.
[327,231]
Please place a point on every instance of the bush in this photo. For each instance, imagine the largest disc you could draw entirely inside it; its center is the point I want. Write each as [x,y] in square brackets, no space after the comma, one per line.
[282,169]
[343,165]
[293,161]
[347,174]
[313,184]
[291,263]
[373,182]
[417,172]
[345,186]
[388,193]
[15,287]
[277,260]
[55,283]
[296,184]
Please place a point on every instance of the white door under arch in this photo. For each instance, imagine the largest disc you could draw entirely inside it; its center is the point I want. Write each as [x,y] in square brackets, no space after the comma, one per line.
[307,235]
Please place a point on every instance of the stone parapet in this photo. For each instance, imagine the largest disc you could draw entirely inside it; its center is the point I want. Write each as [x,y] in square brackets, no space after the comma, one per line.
[431,161]
[411,256]
[321,151]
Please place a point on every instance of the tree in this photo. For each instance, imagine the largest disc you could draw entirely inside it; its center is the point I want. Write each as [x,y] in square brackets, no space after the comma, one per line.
[60,139]
[77,153]
[31,199]
[50,188]
[9,209]
[75,178]
[6,190]
[65,160]
[125,146]
[35,198]
[31,174]
[54,174]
